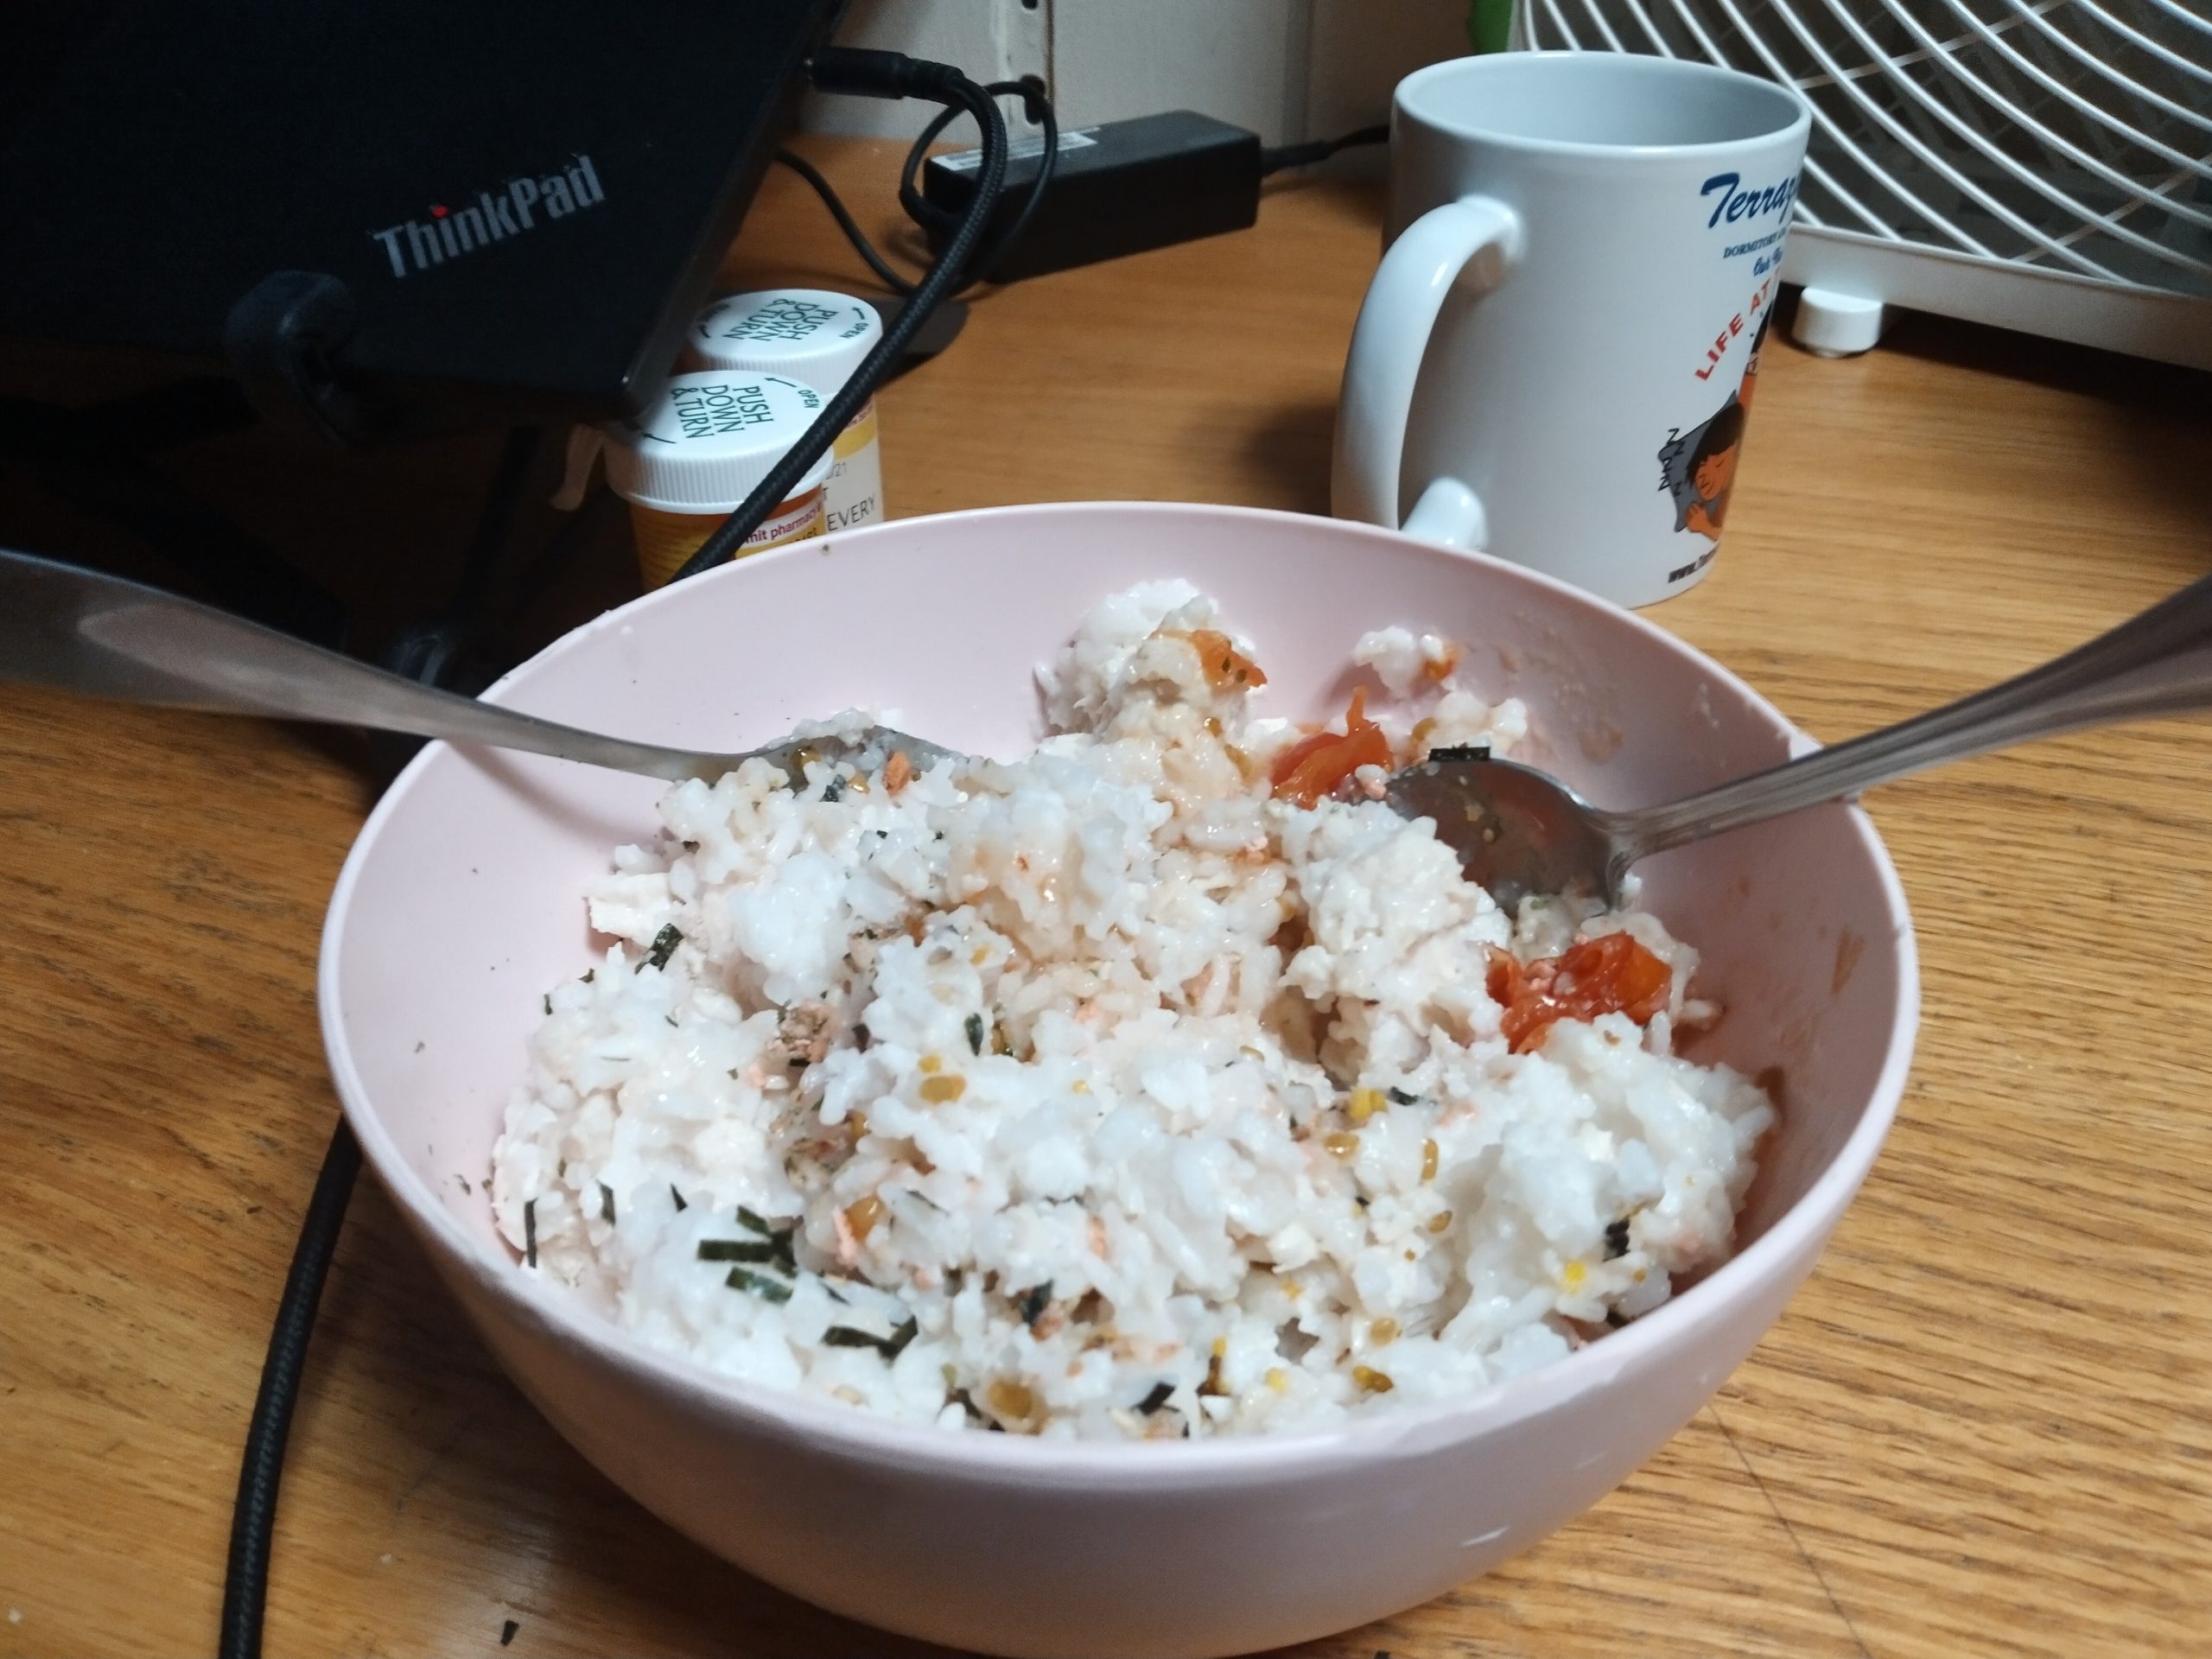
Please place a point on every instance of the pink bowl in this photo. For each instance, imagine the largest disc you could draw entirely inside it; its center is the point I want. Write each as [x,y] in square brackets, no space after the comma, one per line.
[460,904]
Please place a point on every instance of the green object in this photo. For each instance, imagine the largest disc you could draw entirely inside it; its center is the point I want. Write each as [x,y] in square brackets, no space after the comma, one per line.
[1489,24]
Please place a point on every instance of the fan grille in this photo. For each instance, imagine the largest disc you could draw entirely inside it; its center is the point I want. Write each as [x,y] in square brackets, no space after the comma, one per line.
[2071,135]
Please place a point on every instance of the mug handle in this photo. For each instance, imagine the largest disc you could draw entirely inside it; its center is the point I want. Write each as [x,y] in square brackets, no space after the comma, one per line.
[1388,344]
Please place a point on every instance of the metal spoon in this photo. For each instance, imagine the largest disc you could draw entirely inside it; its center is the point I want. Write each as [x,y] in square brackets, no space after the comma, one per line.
[1519,831]
[82,630]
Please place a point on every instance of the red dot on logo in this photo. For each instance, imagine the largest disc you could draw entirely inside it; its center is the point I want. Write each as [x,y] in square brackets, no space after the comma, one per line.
[438,213]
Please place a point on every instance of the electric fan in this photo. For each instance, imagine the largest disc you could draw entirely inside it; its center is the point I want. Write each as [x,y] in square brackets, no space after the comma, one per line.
[2043,165]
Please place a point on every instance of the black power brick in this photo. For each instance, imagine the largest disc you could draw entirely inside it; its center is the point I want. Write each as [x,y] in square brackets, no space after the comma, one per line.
[1119,188]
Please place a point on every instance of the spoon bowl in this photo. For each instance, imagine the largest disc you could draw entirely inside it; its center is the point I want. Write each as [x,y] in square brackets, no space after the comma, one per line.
[1519,831]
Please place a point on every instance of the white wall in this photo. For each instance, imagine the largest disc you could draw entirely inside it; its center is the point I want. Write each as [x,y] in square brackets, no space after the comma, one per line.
[990,40]
[1289,69]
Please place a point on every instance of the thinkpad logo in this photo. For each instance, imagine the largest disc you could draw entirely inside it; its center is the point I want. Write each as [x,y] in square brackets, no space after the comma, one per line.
[519,205]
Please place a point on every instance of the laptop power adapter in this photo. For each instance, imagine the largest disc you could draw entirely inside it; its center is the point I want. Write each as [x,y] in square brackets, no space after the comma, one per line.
[1119,188]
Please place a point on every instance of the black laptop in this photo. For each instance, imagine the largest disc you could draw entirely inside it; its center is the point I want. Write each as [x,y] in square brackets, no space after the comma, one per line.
[485,212]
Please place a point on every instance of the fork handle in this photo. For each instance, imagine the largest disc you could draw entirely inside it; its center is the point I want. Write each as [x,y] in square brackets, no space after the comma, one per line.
[2158,663]
[84,630]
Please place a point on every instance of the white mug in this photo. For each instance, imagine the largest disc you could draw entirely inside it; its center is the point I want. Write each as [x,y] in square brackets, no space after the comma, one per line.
[1580,259]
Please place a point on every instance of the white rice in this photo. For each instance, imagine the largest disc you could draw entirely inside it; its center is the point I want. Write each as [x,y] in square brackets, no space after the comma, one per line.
[1100,1094]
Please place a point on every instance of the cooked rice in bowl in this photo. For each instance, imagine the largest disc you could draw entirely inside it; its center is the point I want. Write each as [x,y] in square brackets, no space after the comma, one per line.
[1141,1087]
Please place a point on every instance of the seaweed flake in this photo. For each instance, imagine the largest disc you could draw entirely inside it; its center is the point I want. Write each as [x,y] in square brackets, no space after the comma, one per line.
[737,1250]
[974,1028]
[1617,1239]
[507,1632]
[1161,1393]
[529,1232]
[1399,1098]
[1461,752]
[548,1001]
[776,1249]
[767,1290]
[1035,1300]
[844,1336]
[662,947]
[606,1202]
[680,1205]
[834,790]
[966,1402]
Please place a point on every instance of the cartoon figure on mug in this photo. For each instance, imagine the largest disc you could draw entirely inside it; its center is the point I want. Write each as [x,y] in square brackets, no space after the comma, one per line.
[1698,467]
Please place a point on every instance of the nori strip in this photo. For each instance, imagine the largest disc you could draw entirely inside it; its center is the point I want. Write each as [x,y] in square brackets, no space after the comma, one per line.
[767,1290]
[1035,1300]
[844,1336]
[737,1250]
[662,947]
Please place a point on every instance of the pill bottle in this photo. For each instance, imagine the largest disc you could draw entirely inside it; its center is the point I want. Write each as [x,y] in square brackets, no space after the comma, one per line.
[819,337]
[691,460]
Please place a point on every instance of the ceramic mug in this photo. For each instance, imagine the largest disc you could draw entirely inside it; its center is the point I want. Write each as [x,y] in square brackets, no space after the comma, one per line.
[1581,257]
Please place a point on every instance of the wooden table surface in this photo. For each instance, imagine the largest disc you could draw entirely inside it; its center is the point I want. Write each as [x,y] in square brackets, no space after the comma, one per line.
[1983,1426]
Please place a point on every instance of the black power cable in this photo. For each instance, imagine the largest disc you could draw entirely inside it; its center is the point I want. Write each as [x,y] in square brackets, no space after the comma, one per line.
[1038,108]
[253,1519]
[930,216]
[1283,156]
[885,272]
[429,653]
[883,74]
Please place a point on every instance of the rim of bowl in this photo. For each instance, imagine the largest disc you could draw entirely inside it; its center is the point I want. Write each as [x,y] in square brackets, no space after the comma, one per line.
[1113,1463]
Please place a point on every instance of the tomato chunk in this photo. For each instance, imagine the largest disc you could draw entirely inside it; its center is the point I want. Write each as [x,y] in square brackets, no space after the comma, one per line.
[1610,974]
[1227,668]
[1315,765]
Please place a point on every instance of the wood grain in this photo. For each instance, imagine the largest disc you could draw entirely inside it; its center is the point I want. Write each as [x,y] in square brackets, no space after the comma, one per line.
[1983,1428]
